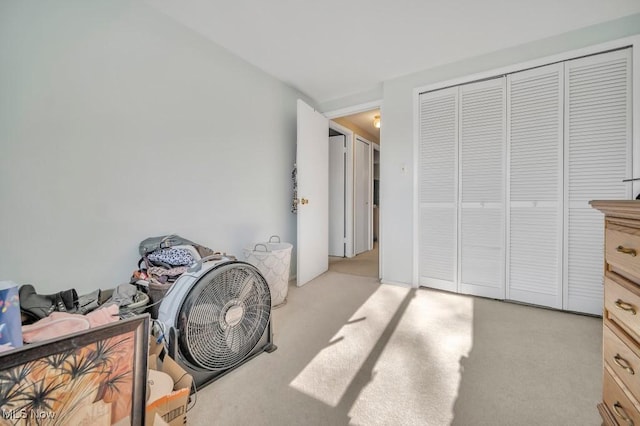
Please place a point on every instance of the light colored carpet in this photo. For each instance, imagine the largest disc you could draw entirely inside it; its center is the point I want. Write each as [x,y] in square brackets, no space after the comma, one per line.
[365,264]
[352,351]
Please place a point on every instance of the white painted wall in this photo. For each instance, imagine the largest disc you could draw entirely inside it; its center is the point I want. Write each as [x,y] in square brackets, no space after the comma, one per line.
[397,133]
[116,124]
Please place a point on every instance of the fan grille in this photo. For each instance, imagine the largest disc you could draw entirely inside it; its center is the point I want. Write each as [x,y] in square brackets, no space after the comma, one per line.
[224,316]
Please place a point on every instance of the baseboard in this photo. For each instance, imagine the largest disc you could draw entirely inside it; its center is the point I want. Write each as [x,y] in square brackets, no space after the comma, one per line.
[397,283]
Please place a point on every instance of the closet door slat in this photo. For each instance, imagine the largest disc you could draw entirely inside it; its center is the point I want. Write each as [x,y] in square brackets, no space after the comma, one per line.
[506,170]
[597,158]
[482,181]
[534,210]
[438,189]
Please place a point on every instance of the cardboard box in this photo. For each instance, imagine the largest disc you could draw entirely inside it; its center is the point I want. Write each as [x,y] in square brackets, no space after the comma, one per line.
[172,407]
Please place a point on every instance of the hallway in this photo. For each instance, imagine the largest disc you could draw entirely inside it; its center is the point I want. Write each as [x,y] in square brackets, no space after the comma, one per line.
[365,264]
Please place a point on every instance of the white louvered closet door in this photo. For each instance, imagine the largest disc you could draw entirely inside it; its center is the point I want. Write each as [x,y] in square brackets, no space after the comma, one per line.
[597,158]
[438,188]
[482,131]
[534,210]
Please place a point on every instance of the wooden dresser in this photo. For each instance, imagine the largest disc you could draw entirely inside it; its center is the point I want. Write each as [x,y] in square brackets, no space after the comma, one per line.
[621,315]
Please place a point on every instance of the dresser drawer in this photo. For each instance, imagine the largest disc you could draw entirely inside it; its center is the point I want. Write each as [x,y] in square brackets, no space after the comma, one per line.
[622,249]
[622,302]
[622,360]
[618,403]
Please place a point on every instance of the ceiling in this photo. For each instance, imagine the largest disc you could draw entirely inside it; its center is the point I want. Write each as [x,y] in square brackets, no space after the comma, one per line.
[364,120]
[334,48]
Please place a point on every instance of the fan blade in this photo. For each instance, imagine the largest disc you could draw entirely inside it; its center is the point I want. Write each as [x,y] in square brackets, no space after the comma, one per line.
[246,288]
[231,338]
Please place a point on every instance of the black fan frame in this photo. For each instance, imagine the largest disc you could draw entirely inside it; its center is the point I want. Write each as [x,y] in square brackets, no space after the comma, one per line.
[178,343]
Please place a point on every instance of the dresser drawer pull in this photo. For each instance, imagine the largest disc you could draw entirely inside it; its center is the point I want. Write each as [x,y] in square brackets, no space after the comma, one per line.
[625,250]
[617,408]
[623,363]
[625,306]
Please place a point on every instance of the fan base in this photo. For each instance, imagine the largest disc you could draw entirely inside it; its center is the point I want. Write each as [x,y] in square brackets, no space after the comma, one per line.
[203,377]
[269,348]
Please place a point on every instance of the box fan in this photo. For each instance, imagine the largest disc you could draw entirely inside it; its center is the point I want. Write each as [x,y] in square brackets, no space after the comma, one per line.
[217,316]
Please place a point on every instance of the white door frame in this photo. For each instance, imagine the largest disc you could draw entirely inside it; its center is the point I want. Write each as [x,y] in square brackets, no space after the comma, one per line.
[354,109]
[376,147]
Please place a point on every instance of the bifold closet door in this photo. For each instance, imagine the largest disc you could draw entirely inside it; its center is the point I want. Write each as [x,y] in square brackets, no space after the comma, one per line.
[438,189]
[597,158]
[482,129]
[534,208]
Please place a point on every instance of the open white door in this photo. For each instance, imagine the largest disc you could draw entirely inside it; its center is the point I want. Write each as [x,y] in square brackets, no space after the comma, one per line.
[312,159]
[363,196]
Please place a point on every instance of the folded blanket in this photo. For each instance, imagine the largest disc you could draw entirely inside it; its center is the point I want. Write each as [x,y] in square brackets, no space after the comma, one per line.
[59,324]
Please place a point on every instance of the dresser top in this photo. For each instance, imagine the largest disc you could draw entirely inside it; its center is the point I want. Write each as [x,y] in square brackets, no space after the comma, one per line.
[618,208]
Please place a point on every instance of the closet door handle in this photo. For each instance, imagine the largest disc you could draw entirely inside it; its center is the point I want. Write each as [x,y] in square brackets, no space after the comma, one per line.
[625,250]
[617,407]
[623,363]
[628,307]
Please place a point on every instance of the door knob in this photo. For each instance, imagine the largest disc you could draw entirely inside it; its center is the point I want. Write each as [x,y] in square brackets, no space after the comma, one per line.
[304,201]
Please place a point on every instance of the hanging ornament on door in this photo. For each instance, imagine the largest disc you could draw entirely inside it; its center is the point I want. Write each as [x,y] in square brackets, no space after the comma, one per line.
[294,178]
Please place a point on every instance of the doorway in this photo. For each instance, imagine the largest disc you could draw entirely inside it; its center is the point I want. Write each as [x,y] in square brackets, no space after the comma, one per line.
[354,185]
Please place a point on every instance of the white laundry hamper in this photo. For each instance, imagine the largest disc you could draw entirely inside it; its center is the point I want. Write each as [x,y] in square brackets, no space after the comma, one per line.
[273,260]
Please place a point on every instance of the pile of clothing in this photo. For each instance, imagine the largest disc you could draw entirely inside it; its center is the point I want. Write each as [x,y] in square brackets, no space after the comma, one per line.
[163,260]
[48,316]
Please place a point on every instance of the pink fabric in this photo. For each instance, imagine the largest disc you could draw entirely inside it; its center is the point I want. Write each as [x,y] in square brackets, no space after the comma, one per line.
[104,315]
[55,325]
[59,324]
